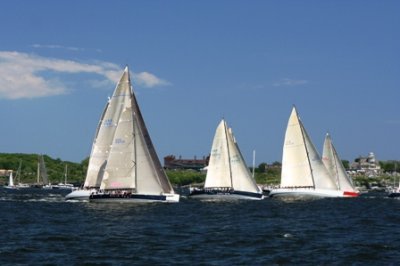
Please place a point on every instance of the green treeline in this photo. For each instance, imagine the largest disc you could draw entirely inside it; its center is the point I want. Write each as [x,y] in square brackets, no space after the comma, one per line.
[264,173]
[77,171]
[28,164]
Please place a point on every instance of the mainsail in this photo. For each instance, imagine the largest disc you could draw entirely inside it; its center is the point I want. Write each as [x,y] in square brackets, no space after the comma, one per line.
[132,162]
[241,177]
[335,167]
[227,167]
[11,180]
[301,164]
[105,132]
[42,172]
[219,172]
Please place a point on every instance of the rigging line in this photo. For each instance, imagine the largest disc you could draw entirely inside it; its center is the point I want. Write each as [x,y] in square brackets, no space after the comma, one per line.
[305,146]
[334,154]
[229,154]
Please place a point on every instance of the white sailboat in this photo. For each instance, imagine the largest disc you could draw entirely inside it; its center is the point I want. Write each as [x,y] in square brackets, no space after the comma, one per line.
[42,177]
[65,185]
[133,172]
[103,139]
[18,177]
[395,191]
[228,176]
[303,172]
[336,169]
[10,182]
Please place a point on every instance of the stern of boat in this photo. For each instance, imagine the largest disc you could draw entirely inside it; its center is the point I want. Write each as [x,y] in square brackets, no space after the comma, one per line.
[350,194]
[172,197]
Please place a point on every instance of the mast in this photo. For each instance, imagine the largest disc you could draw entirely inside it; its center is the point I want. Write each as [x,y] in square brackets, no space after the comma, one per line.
[229,155]
[65,174]
[254,162]
[38,171]
[134,150]
[18,177]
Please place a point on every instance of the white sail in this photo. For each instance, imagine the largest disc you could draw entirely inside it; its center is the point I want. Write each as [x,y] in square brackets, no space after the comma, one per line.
[242,179]
[296,169]
[42,171]
[227,168]
[301,164]
[132,162]
[120,162]
[11,180]
[219,170]
[335,167]
[105,132]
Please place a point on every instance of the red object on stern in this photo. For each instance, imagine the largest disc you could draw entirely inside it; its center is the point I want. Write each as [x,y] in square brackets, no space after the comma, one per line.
[351,194]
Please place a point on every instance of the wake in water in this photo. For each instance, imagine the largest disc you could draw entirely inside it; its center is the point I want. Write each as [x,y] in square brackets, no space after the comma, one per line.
[32,195]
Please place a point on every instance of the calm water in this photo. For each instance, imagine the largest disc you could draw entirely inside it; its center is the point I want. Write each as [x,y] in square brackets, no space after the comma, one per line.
[40,228]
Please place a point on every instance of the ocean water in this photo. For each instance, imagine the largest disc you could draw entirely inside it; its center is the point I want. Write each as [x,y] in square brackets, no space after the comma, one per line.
[39,228]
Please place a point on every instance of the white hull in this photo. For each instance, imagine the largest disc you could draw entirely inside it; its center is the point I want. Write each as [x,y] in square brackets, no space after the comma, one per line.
[79,194]
[10,187]
[223,197]
[306,192]
[20,185]
[64,187]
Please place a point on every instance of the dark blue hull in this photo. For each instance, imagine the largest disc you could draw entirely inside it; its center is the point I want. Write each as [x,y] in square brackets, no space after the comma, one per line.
[219,194]
[394,195]
[127,198]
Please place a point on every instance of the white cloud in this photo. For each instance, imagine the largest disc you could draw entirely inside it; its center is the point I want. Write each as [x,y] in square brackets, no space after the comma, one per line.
[290,82]
[55,46]
[25,75]
[148,80]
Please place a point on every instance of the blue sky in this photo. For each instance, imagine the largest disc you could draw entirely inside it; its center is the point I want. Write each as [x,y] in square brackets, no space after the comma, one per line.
[195,62]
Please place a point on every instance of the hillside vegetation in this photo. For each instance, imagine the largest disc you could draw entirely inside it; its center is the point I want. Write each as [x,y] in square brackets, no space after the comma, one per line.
[55,168]
[264,174]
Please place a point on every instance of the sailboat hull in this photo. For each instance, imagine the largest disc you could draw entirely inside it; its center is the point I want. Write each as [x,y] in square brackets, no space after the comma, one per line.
[79,194]
[307,192]
[133,198]
[224,195]
[350,194]
[394,195]
[10,187]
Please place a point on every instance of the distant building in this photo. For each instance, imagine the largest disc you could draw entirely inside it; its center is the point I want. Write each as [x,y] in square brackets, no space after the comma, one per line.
[367,166]
[5,172]
[171,162]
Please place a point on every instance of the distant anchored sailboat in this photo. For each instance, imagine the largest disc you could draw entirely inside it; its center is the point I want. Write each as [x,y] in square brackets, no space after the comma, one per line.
[395,191]
[133,172]
[65,185]
[228,176]
[303,172]
[103,139]
[11,182]
[336,169]
[42,177]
